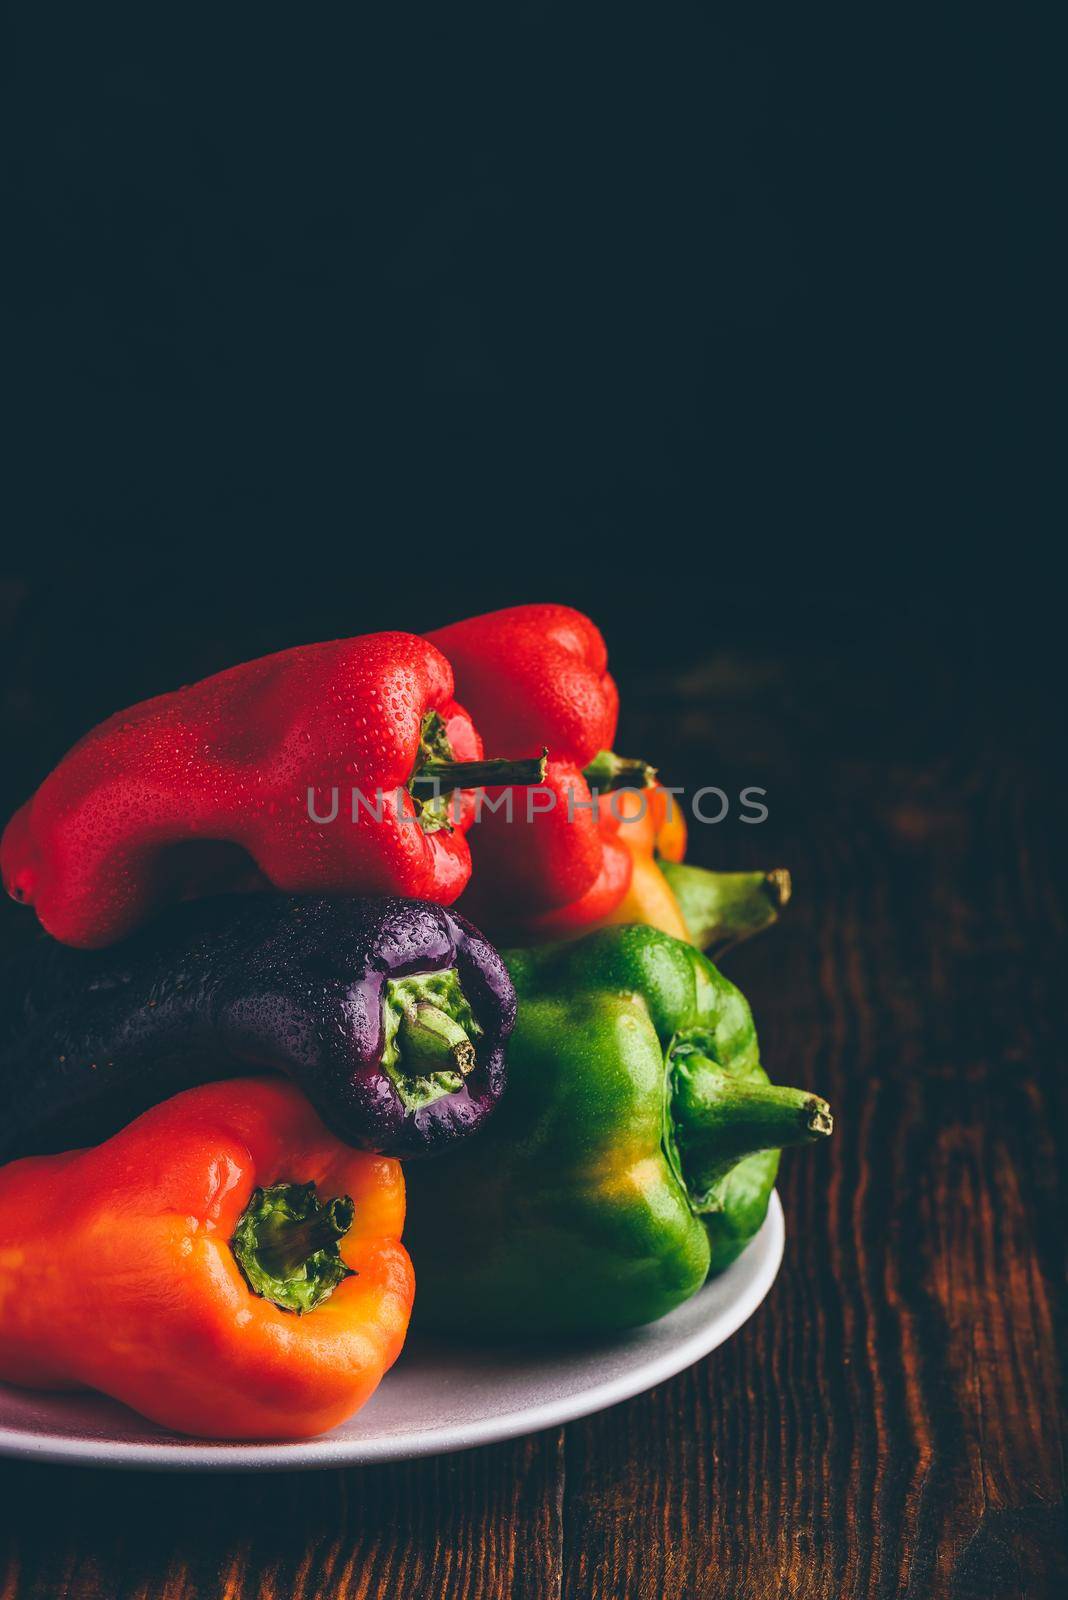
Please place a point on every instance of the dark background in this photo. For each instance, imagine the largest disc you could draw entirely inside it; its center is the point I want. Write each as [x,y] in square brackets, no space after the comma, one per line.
[731,328]
[724,324]
[321,324]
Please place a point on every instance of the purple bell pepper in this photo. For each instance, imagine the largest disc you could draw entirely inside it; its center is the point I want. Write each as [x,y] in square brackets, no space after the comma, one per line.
[391,1015]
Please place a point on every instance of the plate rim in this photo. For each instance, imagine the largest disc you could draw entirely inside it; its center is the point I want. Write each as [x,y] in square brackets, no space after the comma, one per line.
[329,1450]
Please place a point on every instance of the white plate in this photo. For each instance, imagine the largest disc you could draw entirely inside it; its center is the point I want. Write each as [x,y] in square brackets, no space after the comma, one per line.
[440,1396]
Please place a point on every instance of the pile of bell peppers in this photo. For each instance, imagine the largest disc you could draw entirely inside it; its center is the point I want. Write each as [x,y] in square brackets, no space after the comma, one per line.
[264,1015]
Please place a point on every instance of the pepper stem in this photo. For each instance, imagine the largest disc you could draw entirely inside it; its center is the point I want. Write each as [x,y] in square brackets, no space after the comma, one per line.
[435,777]
[431,1041]
[286,1245]
[718,1119]
[609,771]
[778,886]
[723,908]
[437,774]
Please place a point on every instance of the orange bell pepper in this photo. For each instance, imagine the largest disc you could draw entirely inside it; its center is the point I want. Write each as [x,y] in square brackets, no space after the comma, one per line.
[650,824]
[189,1267]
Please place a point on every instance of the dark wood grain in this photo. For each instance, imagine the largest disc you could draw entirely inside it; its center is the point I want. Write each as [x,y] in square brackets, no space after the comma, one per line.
[482,1523]
[890,1421]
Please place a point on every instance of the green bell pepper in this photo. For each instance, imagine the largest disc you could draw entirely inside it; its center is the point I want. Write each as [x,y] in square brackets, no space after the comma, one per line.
[634,1151]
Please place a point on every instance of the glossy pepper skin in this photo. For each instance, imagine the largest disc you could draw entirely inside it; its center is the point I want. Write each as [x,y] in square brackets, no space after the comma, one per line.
[645,822]
[117,1271]
[635,1151]
[207,790]
[537,677]
[391,1015]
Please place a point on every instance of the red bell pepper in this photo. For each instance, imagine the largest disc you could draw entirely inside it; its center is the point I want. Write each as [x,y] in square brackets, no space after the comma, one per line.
[534,677]
[212,788]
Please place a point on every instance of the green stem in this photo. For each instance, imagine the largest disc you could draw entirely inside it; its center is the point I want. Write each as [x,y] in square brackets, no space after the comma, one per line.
[431,1041]
[286,1244]
[723,908]
[437,776]
[718,1119]
[430,1036]
[609,771]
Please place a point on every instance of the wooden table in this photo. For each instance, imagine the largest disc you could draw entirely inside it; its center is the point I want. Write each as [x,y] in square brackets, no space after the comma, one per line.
[888,1422]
